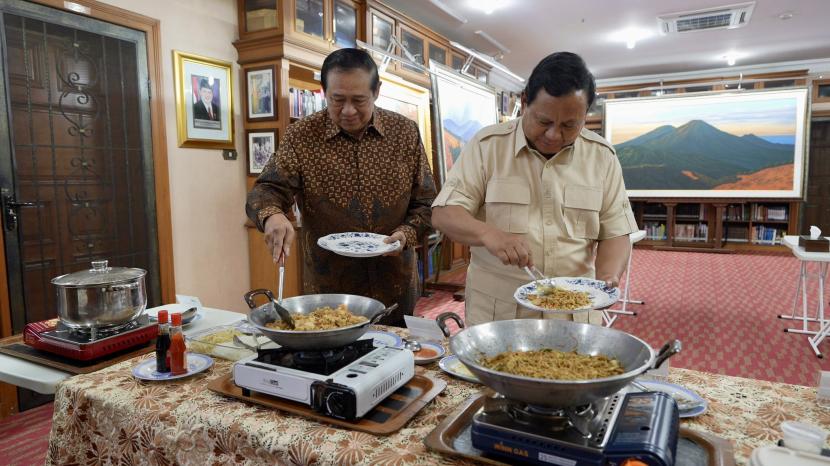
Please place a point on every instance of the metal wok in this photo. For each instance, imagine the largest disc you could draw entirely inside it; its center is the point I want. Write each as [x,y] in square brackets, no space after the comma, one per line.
[493,338]
[370,308]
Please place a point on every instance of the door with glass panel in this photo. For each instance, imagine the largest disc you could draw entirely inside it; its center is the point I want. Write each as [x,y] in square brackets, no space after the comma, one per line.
[76,170]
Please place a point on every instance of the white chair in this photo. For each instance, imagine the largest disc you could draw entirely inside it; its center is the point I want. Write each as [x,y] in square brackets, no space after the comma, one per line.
[607,319]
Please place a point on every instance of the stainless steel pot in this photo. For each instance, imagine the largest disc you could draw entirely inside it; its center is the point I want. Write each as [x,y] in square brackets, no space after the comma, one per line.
[370,308]
[492,338]
[102,297]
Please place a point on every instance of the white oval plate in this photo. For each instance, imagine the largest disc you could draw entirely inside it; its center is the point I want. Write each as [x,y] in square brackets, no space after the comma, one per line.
[357,244]
[600,294]
[439,352]
[681,395]
[383,338]
[453,366]
[195,363]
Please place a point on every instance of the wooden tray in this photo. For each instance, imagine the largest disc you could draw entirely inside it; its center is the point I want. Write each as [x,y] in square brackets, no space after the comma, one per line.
[452,437]
[14,346]
[386,418]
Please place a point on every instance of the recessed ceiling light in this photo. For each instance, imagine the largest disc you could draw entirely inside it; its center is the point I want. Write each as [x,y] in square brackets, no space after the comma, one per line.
[630,36]
[488,6]
[786,15]
[731,58]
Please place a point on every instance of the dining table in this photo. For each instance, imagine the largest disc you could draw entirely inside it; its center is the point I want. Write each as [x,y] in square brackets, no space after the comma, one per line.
[110,417]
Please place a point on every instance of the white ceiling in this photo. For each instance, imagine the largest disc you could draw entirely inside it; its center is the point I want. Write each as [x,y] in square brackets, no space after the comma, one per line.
[531,29]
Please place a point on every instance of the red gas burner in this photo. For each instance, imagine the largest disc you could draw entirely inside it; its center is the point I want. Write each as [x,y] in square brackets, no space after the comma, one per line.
[84,345]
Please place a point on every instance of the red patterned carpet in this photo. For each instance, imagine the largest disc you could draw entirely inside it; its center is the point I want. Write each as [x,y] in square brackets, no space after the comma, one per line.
[723,307]
[24,437]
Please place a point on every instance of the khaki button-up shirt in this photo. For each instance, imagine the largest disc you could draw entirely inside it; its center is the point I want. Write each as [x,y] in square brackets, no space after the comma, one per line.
[562,206]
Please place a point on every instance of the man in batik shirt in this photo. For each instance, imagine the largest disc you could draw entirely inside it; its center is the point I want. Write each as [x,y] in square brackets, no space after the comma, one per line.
[350,167]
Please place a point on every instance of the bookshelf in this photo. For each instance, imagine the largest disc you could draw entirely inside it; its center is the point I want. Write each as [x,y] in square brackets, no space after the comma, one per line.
[716,225]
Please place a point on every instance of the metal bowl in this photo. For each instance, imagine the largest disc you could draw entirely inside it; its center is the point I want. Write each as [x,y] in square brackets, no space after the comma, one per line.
[492,338]
[370,308]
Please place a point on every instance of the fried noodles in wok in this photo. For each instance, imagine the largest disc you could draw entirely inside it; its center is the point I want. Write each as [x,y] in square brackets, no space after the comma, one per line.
[323,318]
[552,364]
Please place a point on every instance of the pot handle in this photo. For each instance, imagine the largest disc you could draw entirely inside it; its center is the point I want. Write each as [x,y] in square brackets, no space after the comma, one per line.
[249,296]
[383,314]
[668,350]
[281,311]
[442,321]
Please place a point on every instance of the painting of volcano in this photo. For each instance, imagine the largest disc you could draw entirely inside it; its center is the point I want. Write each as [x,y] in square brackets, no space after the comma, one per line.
[715,145]
[462,106]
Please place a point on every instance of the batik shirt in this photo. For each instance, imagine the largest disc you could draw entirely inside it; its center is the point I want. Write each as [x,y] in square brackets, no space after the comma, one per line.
[379,182]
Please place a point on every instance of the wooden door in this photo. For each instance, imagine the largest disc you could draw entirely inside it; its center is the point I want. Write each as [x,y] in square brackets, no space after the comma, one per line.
[76,169]
[817,204]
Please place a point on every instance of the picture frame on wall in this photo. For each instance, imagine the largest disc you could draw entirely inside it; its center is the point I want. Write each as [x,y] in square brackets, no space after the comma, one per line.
[204,103]
[259,91]
[261,145]
[462,106]
[409,100]
[711,145]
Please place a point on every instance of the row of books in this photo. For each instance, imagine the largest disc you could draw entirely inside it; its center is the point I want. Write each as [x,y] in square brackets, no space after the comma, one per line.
[691,232]
[759,234]
[304,102]
[506,103]
[655,230]
[761,212]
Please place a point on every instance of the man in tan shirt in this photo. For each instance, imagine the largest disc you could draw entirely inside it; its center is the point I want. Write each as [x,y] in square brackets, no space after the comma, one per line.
[540,190]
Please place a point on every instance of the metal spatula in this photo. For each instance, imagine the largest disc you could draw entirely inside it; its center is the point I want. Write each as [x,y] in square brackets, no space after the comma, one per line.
[282,277]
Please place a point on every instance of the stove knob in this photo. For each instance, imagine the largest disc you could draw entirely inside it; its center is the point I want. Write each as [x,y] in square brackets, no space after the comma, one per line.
[336,403]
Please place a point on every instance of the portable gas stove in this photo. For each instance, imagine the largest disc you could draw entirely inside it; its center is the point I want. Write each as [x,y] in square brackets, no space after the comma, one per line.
[625,429]
[344,383]
[86,344]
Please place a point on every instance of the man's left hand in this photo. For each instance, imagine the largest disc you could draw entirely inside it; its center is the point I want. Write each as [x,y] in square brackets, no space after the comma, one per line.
[397,236]
[611,282]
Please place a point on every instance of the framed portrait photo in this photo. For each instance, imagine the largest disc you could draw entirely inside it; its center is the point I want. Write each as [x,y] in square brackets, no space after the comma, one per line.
[259,89]
[261,145]
[204,106]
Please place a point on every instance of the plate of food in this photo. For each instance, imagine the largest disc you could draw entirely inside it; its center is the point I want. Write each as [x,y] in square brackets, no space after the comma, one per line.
[689,403]
[453,366]
[566,295]
[357,244]
[189,312]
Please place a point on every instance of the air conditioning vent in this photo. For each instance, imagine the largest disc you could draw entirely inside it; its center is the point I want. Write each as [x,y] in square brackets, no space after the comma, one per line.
[725,17]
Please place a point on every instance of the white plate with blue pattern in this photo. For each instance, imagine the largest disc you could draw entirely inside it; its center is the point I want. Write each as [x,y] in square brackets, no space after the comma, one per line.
[357,244]
[599,293]
[195,363]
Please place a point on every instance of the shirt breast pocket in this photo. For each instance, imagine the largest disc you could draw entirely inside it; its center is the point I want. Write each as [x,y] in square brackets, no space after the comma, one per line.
[580,209]
[507,205]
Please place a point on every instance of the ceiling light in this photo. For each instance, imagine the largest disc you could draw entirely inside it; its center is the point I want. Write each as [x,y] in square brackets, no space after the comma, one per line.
[630,36]
[487,60]
[731,58]
[786,15]
[449,11]
[493,41]
[488,6]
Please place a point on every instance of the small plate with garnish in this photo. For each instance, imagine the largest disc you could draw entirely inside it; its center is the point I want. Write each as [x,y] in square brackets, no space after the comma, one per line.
[566,295]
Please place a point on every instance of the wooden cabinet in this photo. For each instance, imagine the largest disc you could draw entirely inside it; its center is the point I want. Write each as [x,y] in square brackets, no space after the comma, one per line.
[719,225]
[265,274]
[437,53]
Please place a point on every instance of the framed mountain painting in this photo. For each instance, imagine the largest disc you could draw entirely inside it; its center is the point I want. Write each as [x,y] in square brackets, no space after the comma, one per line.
[462,106]
[747,144]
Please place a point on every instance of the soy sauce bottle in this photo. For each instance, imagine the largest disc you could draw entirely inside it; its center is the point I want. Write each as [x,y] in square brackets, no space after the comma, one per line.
[163,344]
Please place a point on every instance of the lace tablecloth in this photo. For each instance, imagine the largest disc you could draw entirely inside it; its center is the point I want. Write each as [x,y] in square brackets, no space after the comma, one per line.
[109,417]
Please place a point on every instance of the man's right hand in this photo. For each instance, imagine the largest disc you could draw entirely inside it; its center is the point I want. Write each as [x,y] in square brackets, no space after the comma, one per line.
[511,249]
[279,235]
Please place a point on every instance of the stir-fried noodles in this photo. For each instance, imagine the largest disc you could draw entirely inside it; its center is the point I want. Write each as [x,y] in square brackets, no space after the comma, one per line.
[554,297]
[323,318]
[552,364]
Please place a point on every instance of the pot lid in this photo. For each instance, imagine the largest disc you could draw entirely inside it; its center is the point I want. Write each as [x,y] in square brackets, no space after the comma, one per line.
[100,274]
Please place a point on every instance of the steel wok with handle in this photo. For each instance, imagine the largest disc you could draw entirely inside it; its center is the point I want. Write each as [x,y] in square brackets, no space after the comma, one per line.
[492,338]
[370,308]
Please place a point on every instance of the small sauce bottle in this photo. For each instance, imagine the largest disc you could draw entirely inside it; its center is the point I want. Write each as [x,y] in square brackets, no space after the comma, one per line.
[178,356]
[163,344]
